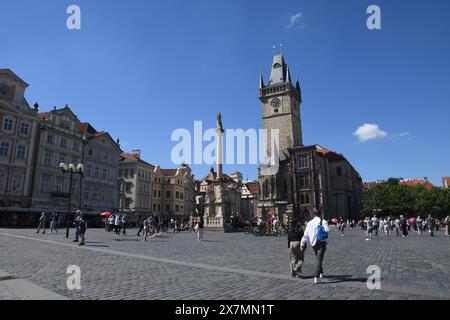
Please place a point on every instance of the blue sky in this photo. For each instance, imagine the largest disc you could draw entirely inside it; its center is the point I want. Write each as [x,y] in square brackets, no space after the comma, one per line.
[140,69]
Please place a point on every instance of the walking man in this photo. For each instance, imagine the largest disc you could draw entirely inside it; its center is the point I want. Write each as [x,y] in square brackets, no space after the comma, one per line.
[419,225]
[76,222]
[431,223]
[53,220]
[82,228]
[297,254]
[200,229]
[124,223]
[342,226]
[317,233]
[42,223]
[146,223]
[117,223]
[404,226]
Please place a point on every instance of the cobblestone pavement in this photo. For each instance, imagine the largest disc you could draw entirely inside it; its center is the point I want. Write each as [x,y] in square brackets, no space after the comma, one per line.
[225,266]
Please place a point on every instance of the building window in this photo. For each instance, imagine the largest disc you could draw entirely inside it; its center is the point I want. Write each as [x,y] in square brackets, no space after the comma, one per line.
[154,193]
[131,173]
[50,139]
[94,194]
[17,182]
[154,207]
[181,195]
[307,198]
[86,193]
[159,207]
[76,146]
[104,173]
[62,158]
[303,161]
[64,125]
[177,195]
[63,143]
[89,170]
[167,194]
[304,180]
[8,124]
[48,159]
[127,203]
[159,193]
[167,208]
[90,152]
[2,180]
[96,172]
[177,208]
[4,149]
[339,171]
[59,185]
[24,128]
[21,152]
[45,184]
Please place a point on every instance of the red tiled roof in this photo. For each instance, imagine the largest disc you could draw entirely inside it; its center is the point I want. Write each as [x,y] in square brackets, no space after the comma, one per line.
[128,157]
[86,127]
[44,115]
[252,187]
[169,172]
[417,182]
[331,154]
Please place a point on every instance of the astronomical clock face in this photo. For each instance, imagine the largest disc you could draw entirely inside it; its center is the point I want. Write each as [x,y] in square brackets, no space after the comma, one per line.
[3,90]
[275,104]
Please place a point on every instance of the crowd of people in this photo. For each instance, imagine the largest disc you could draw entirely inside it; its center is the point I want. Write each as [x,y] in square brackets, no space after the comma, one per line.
[153,226]
[398,226]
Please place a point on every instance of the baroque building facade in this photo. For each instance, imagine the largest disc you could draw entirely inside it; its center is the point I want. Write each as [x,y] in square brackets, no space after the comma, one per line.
[19,126]
[99,186]
[60,141]
[135,185]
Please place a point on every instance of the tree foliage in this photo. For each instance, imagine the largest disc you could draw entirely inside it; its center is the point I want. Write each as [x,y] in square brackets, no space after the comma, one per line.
[394,199]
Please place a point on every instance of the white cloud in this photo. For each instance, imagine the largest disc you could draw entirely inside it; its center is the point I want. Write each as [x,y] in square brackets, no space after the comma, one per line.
[294,19]
[403,134]
[369,131]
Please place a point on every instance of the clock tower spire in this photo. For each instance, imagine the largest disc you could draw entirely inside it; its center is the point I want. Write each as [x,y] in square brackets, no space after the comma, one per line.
[281,101]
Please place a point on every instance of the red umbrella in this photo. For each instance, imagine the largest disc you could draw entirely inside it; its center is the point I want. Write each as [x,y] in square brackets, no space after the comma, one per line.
[334,220]
[105,214]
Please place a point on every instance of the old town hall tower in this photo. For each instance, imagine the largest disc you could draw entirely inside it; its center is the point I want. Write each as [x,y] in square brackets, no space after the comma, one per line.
[281,101]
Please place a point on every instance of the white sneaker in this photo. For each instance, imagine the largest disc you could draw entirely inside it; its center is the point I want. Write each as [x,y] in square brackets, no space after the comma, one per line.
[316,281]
[321,276]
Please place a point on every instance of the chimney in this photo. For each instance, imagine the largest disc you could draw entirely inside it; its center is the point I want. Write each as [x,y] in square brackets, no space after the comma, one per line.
[136,153]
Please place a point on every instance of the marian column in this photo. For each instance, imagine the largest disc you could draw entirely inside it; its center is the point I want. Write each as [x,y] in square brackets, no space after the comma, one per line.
[220,132]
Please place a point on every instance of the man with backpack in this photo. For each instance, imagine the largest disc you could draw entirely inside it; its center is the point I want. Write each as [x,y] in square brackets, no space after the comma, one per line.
[316,233]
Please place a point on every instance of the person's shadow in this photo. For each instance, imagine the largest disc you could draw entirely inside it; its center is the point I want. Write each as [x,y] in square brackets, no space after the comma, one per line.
[337,279]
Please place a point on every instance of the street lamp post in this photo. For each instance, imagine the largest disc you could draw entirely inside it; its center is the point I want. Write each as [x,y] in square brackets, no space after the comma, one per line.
[70,168]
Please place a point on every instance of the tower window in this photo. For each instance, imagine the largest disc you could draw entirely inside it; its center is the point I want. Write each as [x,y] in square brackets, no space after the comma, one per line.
[303,161]
[276,66]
